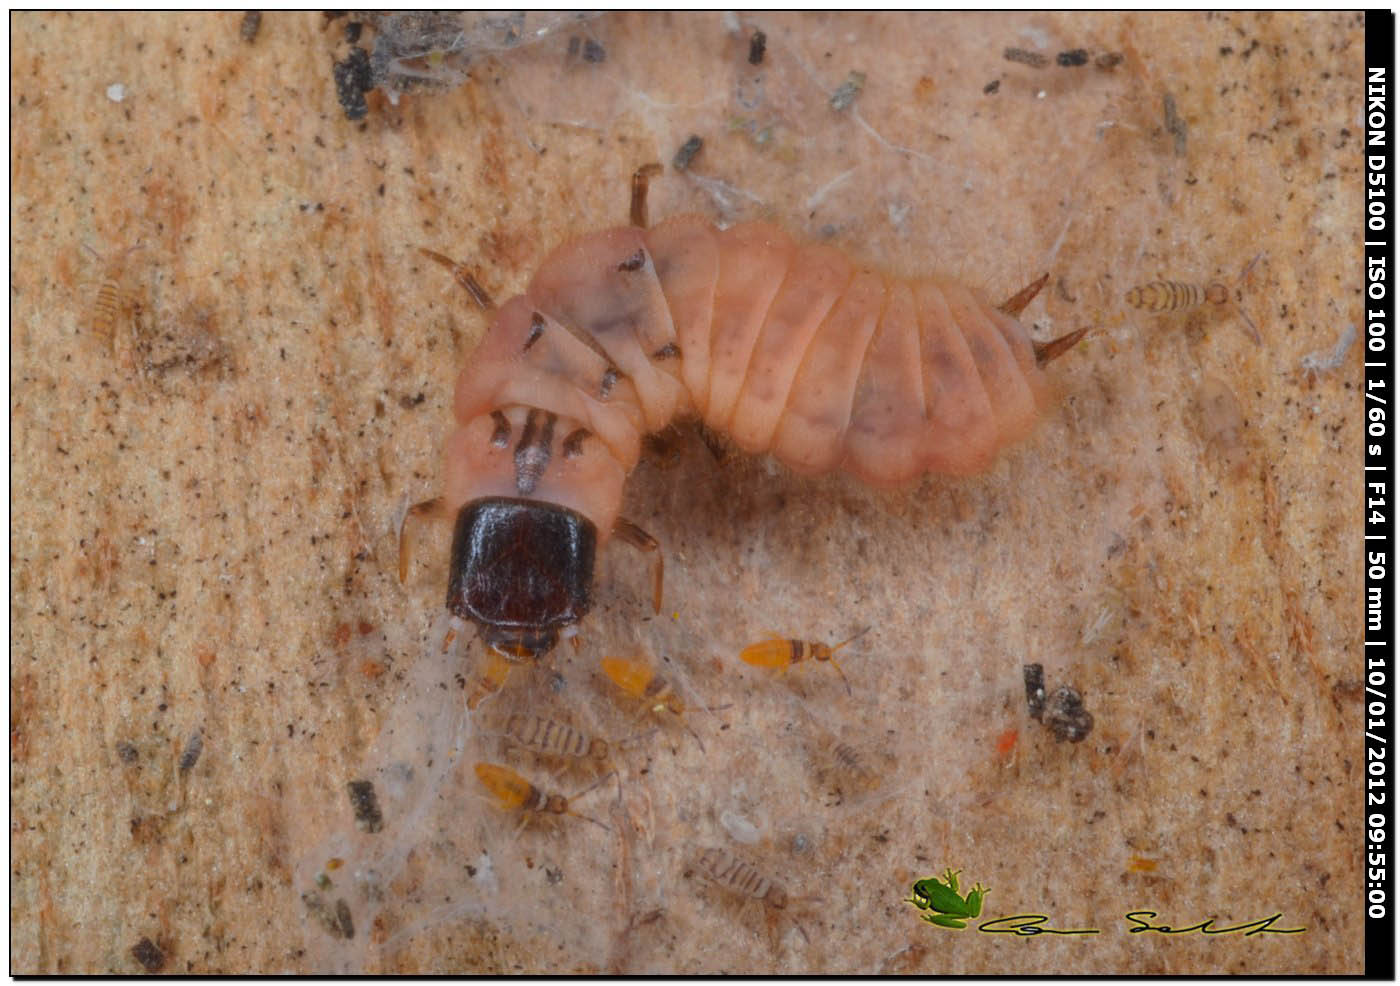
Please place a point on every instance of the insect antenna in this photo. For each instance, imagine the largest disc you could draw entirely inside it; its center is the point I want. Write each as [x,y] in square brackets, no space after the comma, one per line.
[837,647]
[642,541]
[1238,307]
[857,636]
[464,277]
[575,797]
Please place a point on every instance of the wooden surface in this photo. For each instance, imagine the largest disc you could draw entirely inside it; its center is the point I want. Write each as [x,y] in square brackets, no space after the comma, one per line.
[214,437]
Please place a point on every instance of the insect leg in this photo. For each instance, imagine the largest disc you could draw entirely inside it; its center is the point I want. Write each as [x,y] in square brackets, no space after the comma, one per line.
[640,539]
[1046,351]
[464,277]
[1017,303]
[641,178]
[432,508]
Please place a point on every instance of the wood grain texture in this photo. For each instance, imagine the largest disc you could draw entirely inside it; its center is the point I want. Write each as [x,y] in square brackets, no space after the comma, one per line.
[204,520]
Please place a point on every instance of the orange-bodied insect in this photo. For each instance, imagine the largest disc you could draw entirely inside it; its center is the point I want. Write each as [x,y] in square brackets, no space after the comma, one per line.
[515,793]
[639,680]
[779,652]
[492,674]
[785,347]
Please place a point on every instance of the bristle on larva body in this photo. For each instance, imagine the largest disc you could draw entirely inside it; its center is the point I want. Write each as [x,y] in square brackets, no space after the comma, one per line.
[788,348]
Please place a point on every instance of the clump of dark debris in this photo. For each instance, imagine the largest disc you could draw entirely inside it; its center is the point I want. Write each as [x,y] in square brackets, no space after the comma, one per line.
[1063,712]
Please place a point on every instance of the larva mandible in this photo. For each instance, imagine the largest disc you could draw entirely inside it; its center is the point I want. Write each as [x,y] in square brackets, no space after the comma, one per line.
[788,348]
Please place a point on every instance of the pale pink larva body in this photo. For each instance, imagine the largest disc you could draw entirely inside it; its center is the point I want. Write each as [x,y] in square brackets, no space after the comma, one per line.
[788,348]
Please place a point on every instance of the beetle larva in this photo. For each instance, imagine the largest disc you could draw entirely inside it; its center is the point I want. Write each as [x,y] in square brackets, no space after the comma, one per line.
[788,348]
[1165,296]
[1176,296]
[552,738]
[727,870]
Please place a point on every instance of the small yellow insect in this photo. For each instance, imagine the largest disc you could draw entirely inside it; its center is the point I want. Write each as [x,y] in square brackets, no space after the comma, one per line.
[640,681]
[1160,297]
[1176,296]
[778,652]
[490,676]
[515,793]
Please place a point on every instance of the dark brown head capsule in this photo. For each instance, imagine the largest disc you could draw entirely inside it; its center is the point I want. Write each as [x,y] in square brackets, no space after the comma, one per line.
[521,570]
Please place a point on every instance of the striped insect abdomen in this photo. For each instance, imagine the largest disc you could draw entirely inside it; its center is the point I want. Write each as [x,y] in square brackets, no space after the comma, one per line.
[732,873]
[1166,296]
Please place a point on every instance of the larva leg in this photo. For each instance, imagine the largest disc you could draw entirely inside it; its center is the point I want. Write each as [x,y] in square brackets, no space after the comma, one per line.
[464,277]
[1046,351]
[641,179]
[1017,303]
[431,508]
[638,538]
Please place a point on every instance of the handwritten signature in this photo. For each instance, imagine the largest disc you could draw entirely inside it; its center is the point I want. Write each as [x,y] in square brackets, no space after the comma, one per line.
[1030,925]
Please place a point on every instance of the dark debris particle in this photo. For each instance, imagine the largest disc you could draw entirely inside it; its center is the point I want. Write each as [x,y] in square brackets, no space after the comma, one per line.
[335,918]
[1066,717]
[1035,689]
[353,29]
[1063,713]
[127,752]
[553,876]
[248,27]
[352,80]
[991,87]
[1108,61]
[757,44]
[1073,58]
[686,153]
[342,917]
[1174,124]
[150,956]
[1024,57]
[594,52]
[193,747]
[847,91]
[366,805]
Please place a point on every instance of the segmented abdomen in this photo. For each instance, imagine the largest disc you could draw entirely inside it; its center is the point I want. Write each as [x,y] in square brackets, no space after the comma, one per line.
[549,737]
[729,871]
[1166,296]
[787,348]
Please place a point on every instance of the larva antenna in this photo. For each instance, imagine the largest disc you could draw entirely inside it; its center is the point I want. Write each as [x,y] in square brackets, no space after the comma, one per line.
[463,277]
[1055,348]
[642,541]
[431,509]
